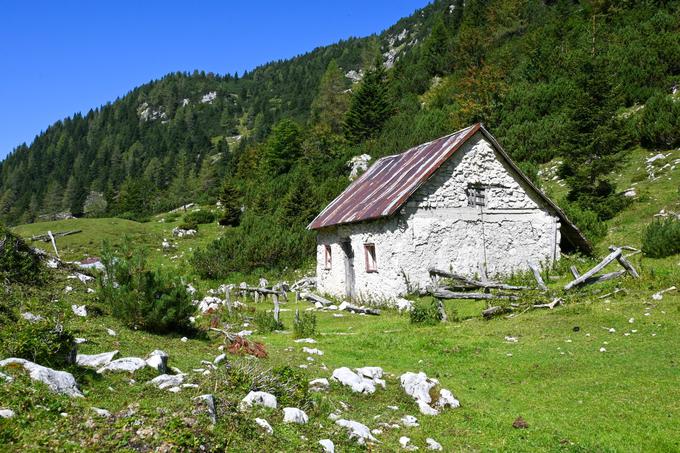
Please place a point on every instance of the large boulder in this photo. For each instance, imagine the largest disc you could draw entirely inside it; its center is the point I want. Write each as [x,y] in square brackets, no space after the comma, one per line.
[357,383]
[95,360]
[58,381]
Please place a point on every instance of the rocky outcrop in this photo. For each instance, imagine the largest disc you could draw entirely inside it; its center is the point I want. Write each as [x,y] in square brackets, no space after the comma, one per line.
[58,381]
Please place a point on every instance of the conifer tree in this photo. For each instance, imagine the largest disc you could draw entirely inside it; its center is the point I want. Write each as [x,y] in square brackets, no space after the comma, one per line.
[370,106]
[230,197]
[331,103]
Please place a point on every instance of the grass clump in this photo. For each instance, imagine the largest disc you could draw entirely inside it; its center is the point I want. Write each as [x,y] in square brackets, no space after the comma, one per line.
[662,238]
[304,326]
[143,298]
[200,217]
[266,323]
[425,313]
[18,263]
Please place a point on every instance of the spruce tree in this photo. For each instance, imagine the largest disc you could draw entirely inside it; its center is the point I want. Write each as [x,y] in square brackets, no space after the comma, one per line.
[230,197]
[370,106]
[331,103]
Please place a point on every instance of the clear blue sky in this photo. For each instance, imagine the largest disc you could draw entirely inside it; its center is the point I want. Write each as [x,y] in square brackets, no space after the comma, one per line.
[60,57]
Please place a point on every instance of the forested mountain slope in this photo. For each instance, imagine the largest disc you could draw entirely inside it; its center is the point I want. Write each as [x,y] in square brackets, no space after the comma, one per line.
[585,81]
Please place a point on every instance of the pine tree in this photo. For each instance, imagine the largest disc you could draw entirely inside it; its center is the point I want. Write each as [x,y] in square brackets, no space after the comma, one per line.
[435,49]
[282,148]
[230,197]
[370,106]
[331,103]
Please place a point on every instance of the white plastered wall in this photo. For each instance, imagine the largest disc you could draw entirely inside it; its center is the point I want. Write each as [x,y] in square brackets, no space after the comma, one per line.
[436,228]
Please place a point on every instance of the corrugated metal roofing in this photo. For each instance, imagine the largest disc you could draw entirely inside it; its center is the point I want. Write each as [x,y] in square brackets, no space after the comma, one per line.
[390,181]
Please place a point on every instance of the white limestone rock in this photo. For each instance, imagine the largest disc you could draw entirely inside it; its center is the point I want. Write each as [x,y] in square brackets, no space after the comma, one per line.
[409,421]
[357,431]
[209,402]
[358,384]
[219,359]
[95,360]
[30,317]
[258,399]
[111,332]
[264,424]
[306,340]
[209,304]
[358,165]
[419,386]
[165,381]
[319,385]
[126,364]
[294,415]
[405,443]
[7,413]
[370,372]
[6,377]
[158,360]
[327,445]
[433,444]
[403,304]
[101,412]
[312,351]
[79,310]
[58,381]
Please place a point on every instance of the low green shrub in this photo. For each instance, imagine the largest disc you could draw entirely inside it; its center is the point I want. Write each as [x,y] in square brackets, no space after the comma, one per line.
[662,238]
[200,217]
[40,341]
[142,298]
[304,326]
[659,122]
[18,262]
[188,225]
[587,221]
[425,313]
[265,323]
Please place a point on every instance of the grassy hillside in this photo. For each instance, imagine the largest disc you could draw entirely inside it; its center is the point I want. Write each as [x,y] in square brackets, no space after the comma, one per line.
[573,395]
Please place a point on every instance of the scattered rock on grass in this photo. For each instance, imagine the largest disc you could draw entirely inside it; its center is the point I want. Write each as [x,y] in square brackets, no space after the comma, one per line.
[306,340]
[258,399]
[357,431]
[58,381]
[126,364]
[264,424]
[357,383]
[30,317]
[419,386]
[405,443]
[319,385]
[327,445]
[433,444]
[314,351]
[101,412]
[158,360]
[294,415]
[95,360]
[7,413]
[165,381]
[409,421]
[209,401]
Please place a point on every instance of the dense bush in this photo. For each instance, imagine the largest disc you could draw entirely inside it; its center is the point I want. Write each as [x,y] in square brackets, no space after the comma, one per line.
[659,122]
[142,298]
[188,225]
[265,323]
[425,313]
[587,221]
[41,341]
[200,217]
[662,238]
[18,263]
[304,326]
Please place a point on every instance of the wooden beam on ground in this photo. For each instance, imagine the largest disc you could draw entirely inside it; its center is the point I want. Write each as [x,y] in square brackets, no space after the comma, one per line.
[494,311]
[46,237]
[440,293]
[364,310]
[625,263]
[475,283]
[316,298]
[556,301]
[583,278]
[574,271]
[537,276]
[605,277]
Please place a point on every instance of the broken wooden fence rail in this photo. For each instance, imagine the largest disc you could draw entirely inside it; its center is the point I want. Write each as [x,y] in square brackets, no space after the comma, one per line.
[475,283]
[555,302]
[601,265]
[495,311]
[46,237]
[537,276]
[441,293]
[315,298]
[625,263]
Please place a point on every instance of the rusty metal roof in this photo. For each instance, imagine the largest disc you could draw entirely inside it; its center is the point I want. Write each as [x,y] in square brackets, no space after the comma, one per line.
[391,180]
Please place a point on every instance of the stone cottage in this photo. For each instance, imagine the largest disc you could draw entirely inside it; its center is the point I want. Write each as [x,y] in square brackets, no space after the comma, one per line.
[457,203]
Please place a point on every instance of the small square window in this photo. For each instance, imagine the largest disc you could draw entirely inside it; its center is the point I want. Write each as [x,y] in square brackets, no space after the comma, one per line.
[327,257]
[371,262]
[476,196]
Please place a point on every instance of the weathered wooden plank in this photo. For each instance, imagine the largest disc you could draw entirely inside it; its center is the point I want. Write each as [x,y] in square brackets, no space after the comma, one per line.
[46,237]
[316,298]
[475,283]
[537,276]
[446,294]
[574,271]
[582,279]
